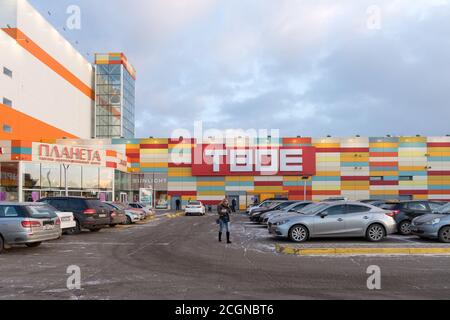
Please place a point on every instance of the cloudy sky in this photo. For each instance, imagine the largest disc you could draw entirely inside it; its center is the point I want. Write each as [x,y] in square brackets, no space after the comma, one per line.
[308,68]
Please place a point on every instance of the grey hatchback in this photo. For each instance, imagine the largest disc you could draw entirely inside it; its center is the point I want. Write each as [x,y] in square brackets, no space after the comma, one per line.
[28,223]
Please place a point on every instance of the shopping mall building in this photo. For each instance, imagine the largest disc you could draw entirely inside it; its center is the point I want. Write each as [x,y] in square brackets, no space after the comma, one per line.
[67,126]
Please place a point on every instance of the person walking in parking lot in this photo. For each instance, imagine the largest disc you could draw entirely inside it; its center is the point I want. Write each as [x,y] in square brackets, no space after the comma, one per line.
[233,205]
[178,204]
[224,211]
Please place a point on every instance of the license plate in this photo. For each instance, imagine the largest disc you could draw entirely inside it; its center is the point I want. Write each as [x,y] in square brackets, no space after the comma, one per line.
[102,215]
[66,219]
[49,227]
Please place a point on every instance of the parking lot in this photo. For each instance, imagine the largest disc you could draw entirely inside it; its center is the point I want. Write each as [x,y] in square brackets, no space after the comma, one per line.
[177,257]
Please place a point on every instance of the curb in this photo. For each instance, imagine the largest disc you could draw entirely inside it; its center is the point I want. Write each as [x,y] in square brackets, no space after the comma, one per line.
[359,251]
[175,215]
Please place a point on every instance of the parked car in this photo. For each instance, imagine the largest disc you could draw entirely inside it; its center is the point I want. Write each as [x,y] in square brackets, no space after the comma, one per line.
[28,224]
[67,221]
[131,215]
[146,208]
[195,208]
[90,214]
[265,203]
[374,202]
[269,205]
[256,215]
[335,219]
[406,211]
[332,199]
[435,225]
[117,215]
[293,208]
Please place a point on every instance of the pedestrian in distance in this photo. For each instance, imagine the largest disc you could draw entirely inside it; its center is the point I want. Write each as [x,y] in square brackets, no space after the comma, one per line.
[224,212]
[233,205]
[178,204]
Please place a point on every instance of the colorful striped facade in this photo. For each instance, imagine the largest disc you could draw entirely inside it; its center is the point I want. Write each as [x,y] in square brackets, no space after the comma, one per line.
[356,168]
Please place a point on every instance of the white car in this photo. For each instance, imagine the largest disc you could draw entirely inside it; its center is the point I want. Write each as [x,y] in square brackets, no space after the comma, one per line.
[67,221]
[138,205]
[195,208]
[133,216]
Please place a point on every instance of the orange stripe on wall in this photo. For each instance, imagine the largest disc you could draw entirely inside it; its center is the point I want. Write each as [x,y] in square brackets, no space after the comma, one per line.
[25,127]
[48,60]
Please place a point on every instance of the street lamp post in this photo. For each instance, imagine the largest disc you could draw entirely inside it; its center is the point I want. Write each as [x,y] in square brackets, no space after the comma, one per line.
[153,192]
[66,185]
[305,183]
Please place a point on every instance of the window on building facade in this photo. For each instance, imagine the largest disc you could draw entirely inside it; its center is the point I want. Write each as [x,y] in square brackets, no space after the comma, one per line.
[7,72]
[379,178]
[406,178]
[7,102]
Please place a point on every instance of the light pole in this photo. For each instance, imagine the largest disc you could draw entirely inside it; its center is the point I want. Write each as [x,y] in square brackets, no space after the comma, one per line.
[66,186]
[305,181]
[153,192]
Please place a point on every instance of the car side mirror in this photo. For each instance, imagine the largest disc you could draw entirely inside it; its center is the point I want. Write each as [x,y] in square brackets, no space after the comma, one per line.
[323,215]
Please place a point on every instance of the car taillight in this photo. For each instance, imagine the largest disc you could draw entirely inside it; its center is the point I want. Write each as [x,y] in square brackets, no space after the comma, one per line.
[113,214]
[89,211]
[393,213]
[58,222]
[30,224]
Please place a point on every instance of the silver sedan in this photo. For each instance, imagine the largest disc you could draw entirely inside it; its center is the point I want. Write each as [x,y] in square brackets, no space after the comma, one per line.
[335,219]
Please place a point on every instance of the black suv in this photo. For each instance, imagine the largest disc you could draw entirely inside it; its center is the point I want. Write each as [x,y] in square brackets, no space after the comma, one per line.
[407,211]
[91,214]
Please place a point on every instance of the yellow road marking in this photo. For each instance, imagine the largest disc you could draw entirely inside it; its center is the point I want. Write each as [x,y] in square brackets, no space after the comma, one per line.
[360,251]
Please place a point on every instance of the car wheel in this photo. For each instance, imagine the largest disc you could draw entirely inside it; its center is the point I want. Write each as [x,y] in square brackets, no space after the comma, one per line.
[376,233]
[404,227]
[444,235]
[33,245]
[2,245]
[76,230]
[112,225]
[128,221]
[298,233]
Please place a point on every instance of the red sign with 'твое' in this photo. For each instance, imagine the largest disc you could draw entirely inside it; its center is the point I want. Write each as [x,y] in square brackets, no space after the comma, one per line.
[219,160]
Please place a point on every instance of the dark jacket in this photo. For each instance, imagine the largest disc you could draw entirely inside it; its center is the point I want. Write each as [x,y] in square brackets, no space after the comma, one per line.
[224,212]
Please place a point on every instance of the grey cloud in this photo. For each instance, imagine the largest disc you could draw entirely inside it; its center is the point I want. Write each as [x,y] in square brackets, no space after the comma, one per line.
[306,67]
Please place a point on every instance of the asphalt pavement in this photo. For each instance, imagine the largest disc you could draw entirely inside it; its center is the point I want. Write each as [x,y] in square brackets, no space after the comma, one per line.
[177,257]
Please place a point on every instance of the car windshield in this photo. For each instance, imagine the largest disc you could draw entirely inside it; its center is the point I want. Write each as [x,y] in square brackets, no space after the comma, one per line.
[115,206]
[267,204]
[119,205]
[290,207]
[314,208]
[443,210]
[284,205]
[40,212]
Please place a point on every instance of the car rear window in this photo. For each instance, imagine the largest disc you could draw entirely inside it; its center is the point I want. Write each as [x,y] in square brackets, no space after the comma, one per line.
[194,203]
[390,206]
[95,203]
[39,212]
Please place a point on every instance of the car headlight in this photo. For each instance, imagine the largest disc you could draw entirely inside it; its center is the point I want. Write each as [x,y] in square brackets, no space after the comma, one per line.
[282,222]
[434,221]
